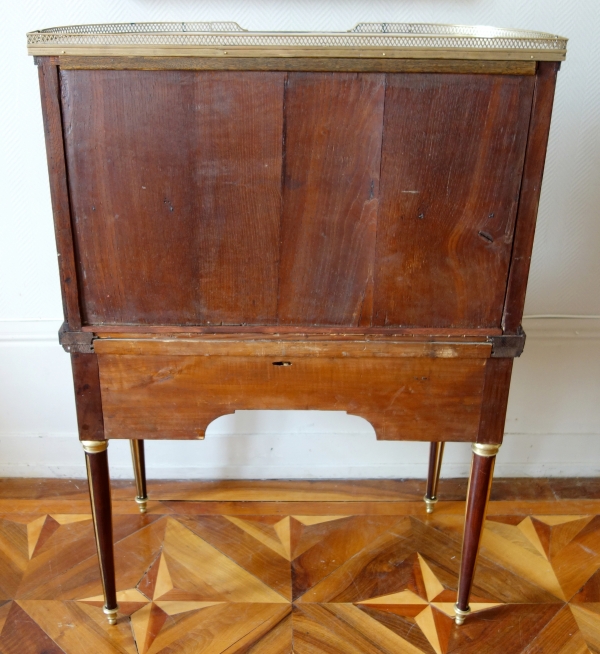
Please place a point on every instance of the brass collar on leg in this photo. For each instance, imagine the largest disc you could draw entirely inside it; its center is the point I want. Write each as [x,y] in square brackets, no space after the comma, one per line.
[485,449]
[94,447]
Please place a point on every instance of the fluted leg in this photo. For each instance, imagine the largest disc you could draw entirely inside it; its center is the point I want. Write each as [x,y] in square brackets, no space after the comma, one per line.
[96,460]
[139,470]
[436,454]
[480,483]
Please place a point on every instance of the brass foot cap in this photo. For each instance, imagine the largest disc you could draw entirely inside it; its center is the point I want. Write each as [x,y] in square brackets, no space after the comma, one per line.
[142,503]
[460,615]
[111,615]
[429,502]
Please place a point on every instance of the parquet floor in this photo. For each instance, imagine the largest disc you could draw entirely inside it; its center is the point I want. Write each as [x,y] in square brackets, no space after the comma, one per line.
[308,568]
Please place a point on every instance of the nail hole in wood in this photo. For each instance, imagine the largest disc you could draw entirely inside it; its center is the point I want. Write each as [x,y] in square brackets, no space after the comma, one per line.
[282,363]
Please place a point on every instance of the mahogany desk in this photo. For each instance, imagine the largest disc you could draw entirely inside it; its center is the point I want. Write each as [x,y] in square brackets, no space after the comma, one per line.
[294,221]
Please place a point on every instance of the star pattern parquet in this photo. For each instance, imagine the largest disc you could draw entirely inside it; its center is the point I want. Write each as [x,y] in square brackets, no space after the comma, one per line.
[352,570]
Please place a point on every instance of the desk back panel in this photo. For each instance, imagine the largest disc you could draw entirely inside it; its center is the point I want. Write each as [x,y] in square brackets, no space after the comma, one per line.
[334,126]
[453,153]
[175,194]
[302,199]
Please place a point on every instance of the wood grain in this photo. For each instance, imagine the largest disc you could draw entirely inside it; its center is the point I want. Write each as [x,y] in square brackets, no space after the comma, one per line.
[88,398]
[451,171]
[185,189]
[564,636]
[314,64]
[99,483]
[531,186]
[506,635]
[276,641]
[21,633]
[317,630]
[389,551]
[215,629]
[51,111]
[496,386]
[330,196]
[245,550]
[403,398]
[540,491]
[519,551]
[292,331]
[289,348]
[511,495]
[345,536]
[453,508]
[14,554]
[477,498]
[373,490]
[571,489]
[276,334]
[52,617]
[384,583]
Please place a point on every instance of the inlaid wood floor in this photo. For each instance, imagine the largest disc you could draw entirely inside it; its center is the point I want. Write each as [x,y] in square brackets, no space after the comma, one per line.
[308,568]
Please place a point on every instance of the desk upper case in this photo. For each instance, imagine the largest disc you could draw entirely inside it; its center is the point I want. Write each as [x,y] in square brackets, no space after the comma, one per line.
[293,221]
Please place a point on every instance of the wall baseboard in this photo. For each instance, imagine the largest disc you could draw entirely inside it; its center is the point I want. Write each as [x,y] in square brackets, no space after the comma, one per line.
[315,456]
[552,429]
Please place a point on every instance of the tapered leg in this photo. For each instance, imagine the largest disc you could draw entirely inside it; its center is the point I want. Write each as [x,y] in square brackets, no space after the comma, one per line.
[97,471]
[436,454]
[139,470]
[480,484]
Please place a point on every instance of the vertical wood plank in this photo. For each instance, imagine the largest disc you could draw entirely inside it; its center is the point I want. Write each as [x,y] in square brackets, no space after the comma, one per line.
[333,134]
[496,386]
[88,398]
[453,152]
[59,194]
[535,158]
[178,198]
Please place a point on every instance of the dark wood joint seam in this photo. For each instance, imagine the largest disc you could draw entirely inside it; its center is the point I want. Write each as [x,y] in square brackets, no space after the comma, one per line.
[508,345]
[76,341]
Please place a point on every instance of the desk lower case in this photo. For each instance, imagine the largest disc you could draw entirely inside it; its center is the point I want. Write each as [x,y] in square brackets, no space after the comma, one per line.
[263,220]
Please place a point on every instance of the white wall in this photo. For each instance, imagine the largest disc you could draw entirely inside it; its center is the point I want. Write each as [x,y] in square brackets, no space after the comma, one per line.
[554,413]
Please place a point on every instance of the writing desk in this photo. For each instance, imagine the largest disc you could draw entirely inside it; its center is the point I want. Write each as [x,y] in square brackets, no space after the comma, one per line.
[253,220]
